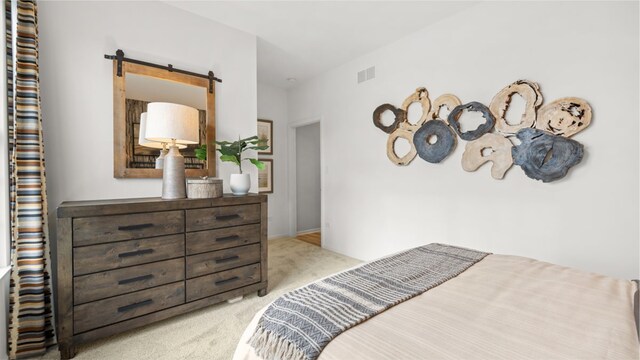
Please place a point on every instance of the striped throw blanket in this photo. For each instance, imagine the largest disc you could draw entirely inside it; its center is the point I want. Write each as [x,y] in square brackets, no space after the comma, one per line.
[299,324]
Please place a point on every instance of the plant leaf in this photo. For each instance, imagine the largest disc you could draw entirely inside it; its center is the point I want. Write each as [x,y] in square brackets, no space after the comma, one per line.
[249,138]
[201,152]
[228,150]
[230,158]
[259,164]
[265,147]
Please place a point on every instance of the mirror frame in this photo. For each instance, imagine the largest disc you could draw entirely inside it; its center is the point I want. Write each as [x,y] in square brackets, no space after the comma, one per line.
[120,169]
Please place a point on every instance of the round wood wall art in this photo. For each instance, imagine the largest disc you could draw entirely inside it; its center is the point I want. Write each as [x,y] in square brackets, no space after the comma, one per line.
[449,101]
[500,154]
[530,92]
[481,130]
[434,141]
[544,156]
[398,113]
[404,133]
[421,95]
[565,117]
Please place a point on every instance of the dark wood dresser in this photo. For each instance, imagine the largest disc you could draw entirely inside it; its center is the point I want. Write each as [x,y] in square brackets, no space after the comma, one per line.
[127,263]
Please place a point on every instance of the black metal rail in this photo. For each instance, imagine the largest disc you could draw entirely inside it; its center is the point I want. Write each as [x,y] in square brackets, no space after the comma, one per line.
[119,57]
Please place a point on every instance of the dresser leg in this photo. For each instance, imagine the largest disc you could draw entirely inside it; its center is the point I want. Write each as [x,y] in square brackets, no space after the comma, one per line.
[67,351]
[262,292]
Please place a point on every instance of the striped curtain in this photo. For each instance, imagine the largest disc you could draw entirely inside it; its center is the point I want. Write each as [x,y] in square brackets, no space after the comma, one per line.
[30,305]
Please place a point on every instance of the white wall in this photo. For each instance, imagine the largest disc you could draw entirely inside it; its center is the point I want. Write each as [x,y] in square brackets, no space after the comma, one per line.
[308,177]
[4,310]
[4,202]
[77,86]
[272,105]
[4,160]
[588,220]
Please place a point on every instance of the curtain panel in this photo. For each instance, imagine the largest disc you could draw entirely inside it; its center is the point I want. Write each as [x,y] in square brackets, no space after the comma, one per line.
[31,329]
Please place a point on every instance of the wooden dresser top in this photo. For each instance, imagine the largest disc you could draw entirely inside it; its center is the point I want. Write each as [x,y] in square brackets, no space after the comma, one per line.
[126,206]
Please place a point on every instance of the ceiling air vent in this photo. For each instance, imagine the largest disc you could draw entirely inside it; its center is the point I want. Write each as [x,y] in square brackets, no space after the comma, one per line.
[366,74]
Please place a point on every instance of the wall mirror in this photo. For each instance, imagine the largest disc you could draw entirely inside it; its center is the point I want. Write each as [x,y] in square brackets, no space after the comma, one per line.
[135,87]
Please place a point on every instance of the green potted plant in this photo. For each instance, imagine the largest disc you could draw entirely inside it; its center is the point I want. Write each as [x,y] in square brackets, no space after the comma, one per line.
[232,152]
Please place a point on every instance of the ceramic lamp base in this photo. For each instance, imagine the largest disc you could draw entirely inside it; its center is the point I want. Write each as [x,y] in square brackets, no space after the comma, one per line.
[160,159]
[173,175]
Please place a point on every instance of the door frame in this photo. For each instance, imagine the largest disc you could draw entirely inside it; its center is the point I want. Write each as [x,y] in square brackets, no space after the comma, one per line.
[293,214]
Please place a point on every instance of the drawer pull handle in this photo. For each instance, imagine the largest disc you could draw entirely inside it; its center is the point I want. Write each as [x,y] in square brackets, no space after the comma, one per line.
[222,282]
[135,305]
[135,279]
[228,238]
[135,253]
[134,227]
[227,259]
[227,217]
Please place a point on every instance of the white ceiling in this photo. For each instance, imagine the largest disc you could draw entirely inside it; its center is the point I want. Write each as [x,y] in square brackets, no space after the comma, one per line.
[300,39]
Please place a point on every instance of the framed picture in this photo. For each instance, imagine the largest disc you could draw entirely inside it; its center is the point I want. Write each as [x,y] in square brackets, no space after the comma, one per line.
[265,131]
[265,177]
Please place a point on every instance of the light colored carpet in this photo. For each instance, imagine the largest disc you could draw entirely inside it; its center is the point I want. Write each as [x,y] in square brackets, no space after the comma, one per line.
[213,332]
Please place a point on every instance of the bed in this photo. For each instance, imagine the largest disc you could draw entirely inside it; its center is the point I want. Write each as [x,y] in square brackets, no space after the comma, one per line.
[499,307]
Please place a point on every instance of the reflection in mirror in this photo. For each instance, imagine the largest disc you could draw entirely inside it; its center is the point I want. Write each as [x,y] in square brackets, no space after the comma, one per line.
[140,91]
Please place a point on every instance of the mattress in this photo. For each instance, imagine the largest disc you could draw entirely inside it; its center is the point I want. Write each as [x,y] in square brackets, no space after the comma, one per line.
[503,307]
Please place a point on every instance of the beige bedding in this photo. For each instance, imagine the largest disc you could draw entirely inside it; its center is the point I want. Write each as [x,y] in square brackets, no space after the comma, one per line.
[504,307]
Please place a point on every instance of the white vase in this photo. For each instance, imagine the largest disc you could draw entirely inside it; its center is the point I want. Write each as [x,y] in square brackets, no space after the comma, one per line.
[240,184]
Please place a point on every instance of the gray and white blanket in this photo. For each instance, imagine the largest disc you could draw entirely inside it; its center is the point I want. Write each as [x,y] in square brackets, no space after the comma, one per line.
[299,324]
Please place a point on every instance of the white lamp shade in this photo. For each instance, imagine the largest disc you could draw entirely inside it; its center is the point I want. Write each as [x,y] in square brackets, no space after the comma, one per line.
[167,122]
[142,133]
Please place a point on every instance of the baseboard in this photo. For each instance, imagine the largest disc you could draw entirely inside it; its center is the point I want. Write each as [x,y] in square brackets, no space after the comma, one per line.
[308,231]
[276,237]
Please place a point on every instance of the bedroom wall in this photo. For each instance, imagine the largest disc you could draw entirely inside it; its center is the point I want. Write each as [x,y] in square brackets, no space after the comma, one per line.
[77,86]
[587,220]
[5,260]
[5,232]
[5,257]
[272,105]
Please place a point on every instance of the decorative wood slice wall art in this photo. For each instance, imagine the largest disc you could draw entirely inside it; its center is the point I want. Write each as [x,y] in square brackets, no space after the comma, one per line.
[530,92]
[443,145]
[481,130]
[398,113]
[421,95]
[565,116]
[404,128]
[545,156]
[500,156]
[403,133]
[449,101]
[545,152]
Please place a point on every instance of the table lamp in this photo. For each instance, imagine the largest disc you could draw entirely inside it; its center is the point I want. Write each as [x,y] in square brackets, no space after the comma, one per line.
[142,141]
[176,125]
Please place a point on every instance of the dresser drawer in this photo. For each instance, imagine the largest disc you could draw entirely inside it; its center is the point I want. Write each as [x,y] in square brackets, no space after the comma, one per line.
[223,281]
[223,216]
[117,282]
[90,259]
[210,240]
[104,229]
[104,312]
[207,263]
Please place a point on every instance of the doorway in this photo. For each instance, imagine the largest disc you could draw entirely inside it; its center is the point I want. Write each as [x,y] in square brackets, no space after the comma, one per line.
[307,173]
